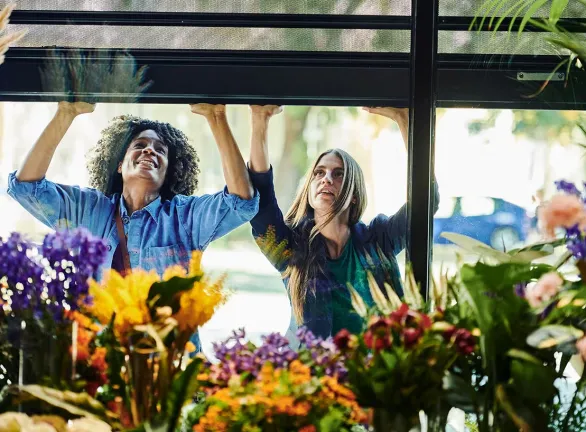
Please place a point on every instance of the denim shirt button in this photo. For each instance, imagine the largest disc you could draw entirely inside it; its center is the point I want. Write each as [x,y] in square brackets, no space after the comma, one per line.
[125,220]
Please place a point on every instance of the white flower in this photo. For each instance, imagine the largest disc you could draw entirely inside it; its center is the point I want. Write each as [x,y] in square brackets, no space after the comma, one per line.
[39,427]
[87,424]
[14,422]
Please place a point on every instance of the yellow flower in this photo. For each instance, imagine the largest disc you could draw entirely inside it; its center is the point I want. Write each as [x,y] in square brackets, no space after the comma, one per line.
[124,296]
[173,271]
[127,298]
[198,305]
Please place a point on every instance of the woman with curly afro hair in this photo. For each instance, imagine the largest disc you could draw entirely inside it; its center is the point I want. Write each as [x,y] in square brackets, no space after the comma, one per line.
[143,175]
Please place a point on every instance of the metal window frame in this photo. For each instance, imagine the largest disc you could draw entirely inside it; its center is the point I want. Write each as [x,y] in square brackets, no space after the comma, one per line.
[324,78]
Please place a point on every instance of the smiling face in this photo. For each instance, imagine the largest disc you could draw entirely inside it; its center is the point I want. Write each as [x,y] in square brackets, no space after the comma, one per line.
[326,183]
[146,160]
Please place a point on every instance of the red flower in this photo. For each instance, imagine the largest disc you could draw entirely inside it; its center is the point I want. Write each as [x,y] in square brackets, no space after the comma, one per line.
[449,333]
[464,341]
[378,340]
[91,388]
[345,340]
[377,322]
[400,315]
[410,336]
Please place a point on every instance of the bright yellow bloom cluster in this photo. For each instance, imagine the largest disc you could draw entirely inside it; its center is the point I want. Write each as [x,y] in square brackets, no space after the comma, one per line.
[291,393]
[124,296]
[127,297]
[197,305]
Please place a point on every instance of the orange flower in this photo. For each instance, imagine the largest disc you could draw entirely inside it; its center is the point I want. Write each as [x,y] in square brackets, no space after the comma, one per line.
[308,428]
[299,373]
[84,338]
[98,359]
[211,421]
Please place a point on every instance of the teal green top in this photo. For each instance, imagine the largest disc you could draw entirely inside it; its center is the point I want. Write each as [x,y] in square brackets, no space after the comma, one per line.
[347,268]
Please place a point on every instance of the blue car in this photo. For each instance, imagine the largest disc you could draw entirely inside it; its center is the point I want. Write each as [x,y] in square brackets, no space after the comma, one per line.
[493,221]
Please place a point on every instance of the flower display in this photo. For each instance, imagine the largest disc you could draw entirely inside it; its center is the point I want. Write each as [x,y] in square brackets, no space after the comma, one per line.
[272,388]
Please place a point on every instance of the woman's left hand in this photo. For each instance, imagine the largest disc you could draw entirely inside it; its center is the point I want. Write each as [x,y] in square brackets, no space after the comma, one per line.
[208,110]
[396,114]
[399,115]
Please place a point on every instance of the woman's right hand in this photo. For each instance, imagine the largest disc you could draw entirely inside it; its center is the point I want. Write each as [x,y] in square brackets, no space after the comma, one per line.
[76,108]
[265,112]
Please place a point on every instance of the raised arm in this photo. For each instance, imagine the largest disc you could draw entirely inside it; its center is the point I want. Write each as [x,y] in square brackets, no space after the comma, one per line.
[235,172]
[392,230]
[259,148]
[37,161]
[270,232]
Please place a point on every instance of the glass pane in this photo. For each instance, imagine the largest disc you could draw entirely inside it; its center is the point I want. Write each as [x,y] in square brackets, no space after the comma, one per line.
[477,206]
[296,136]
[474,7]
[344,7]
[86,36]
[501,164]
[465,42]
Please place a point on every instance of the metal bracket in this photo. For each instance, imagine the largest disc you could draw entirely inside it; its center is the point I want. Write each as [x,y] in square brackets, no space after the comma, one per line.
[541,76]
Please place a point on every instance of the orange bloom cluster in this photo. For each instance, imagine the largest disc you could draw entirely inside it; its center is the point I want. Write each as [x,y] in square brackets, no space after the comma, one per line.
[289,396]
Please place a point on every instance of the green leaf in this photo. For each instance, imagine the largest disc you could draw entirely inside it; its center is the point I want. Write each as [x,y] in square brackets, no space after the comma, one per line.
[523,355]
[557,9]
[78,404]
[529,14]
[552,336]
[476,247]
[389,359]
[332,421]
[529,256]
[166,293]
[535,382]
[182,389]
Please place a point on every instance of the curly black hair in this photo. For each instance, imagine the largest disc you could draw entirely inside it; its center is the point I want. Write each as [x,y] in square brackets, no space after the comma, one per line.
[104,157]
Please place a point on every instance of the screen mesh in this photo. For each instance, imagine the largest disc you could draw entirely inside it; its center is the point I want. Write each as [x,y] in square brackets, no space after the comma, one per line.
[216,38]
[334,7]
[465,42]
[475,7]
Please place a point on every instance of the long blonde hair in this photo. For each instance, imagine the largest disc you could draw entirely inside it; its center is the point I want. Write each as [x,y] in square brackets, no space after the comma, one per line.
[304,264]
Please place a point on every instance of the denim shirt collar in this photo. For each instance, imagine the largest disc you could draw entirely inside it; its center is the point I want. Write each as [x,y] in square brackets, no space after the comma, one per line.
[152,208]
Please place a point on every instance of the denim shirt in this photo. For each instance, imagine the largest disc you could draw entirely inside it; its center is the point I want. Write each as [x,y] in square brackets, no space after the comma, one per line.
[377,245]
[160,235]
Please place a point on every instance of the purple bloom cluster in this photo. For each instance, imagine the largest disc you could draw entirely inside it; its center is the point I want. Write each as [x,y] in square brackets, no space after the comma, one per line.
[237,357]
[72,258]
[567,187]
[326,358]
[576,242]
[55,279]
[23,274]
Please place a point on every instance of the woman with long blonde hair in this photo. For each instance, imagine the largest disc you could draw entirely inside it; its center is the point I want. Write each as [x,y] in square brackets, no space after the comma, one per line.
[320,246]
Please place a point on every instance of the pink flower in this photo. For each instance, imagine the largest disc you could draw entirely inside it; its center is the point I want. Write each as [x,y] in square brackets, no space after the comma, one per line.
[545,289]
[581,347]
[562,211]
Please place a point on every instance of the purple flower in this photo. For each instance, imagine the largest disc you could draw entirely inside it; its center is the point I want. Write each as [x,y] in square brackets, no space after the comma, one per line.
[520,289]
[48,284]
[576,242]
[23,274]
[567,187]
[73,256]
